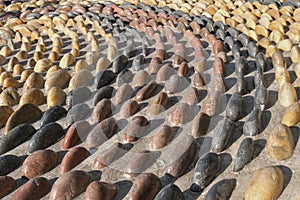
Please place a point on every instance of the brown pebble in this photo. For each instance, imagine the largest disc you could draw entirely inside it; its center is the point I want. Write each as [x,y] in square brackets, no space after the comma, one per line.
[191,96]
[183,69]
[10,82]
[146,92]
[34,80]
[102,110]
[73,158]
[5,111]
[46,159]
[124,93]
[181,113]
[165,72]
[136,128]
[154,65]
[34,189]
[291,115]
[7,185]
[25,74]
[101,190]
[59,79]
[198,80]
[109,155]
[159,103]
[218,47]
[200,125]
[75,133]
[141,78]
[162,137]
[129,108]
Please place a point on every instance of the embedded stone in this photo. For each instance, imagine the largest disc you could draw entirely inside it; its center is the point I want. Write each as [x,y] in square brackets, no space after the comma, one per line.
[162,137]
[77,113]
[5,111]
[76,133]
[287,95]
[244,155]
[34,96]
[291,115]
[181,113]
[100,190]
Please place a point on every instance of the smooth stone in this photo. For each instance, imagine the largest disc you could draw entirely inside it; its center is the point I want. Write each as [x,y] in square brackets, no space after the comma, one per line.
[102,110]
[105,92]
[101,133]
[146,186]
[218,46]
[112,52]
[223,135]
[162,137]
[108,156]
[34,96]
[73,158]
[129,108]
[165,72]
[76,133]
[46,159]
[42,65]
[101,190]
[261,97]
[146,92]
[287,95]
[34,189]
[5,75]
[119,63]
[70,185]
[291,115]
[15,137]
[141,78]
[198,80]
[102,64]
[10,97]
[182,156]
[27,113]
[139,162]
[92,57]
[5,111]
[34,80]
[130,50]
[253,124]
[175,84]
[154,65]
[104,77]
[82,78]
[280,143]
[77,113]
[78,95]
[81,64]
[252,49]
[183,69]
[218,66]
[170,191]
[221,190]
[56,97]
[46,136]
[158,104]
[234,107]
[295,54]
[181,113]
[67,60]
[278,59]
[206,170]
[59,79]
[136,128]
[124,77]
[259,77]
[9,163]
[266,183]
[123,94]
[244,155]
[138,63]
[282,76]
[200,125]
[53,114]
[8,184]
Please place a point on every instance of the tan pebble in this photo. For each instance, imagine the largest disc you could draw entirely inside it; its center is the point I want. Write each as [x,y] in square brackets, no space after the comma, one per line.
[270,50]
[81,64]
[276,25]
[42,65]
[294,35]
[291,115]
[75,52]
[112,52]
[102,64]
[261,30]
[10,82]
[92,57]
[295,54]
[53,56]
[34,96]
[266,183]
[287,95]
[141,78]
[56,97]
[11,63]
[5,51]
[34,80]
[18,69]
[60,79]
[82,78]
[5,75]
[25,74]
[280,143]
[282,75]
[297,70]
[67,60]
[51,70]
[264,42]
[278,59]
[10,97]
[285,45]
[38,55]
[31,62]
[5,111]
[57,49]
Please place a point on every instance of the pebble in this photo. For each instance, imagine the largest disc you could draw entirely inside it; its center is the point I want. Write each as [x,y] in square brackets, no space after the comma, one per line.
[67,60]
[124,93]
[8,184]
[101,133]
[15,137]
[59,78]
[154,65]
[244,155]
[165,72]
[42,65]
[162,137]
[234,107]
[135,129]
[34,80]
[78,95]
[101,190]
[70,185]
[170,191]
[159,103]
[82,78]
[102,110]
[119,63]
[34,189]
[56,97]
[27,113]
[77,113]
[223,135]
[73,158]
[278,59]
[182,156]
[76,133]
[5,111]
[102,64]
[291,115]
[146,92]
[124,77]
[280,143]
[141,78]
[206,170]
[9,163]
[266,183]
[138,63]
[181,113]
[200,125]
[34,96]
[10,97]
[53,114]
[146,186]
[104,77]
[282,76]
[105,92]
[46,159]
[287,95]
[46,136]
[175,84]
[221,190]
[129,108]
[106,157]
[253,124]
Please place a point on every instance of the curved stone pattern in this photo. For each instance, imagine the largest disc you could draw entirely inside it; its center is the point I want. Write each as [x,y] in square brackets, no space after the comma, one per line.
[141,90]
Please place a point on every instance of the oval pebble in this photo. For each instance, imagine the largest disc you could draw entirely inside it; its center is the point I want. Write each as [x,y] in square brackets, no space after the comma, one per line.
[7,184]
